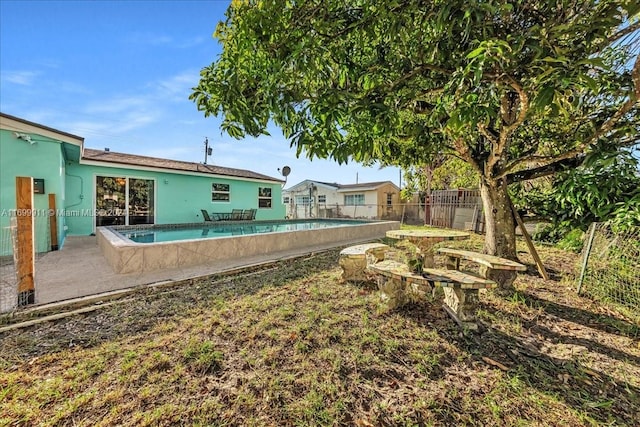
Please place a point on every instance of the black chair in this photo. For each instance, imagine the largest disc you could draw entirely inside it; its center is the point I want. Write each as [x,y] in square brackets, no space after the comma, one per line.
[249,214]
[206,216]
[236,214]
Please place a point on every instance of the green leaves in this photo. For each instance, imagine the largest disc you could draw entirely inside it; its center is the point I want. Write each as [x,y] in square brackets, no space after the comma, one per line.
[605,188]
[476,52]
[545,96]
[233,130]
[399,81]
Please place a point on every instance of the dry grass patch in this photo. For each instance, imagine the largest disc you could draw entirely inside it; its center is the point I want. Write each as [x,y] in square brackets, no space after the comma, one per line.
[294,346]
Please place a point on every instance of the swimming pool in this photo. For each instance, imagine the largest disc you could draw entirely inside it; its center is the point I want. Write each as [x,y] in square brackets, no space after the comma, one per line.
[206,231]
[180,245]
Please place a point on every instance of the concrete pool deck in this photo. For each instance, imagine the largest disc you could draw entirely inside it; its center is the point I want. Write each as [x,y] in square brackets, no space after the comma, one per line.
[79,270]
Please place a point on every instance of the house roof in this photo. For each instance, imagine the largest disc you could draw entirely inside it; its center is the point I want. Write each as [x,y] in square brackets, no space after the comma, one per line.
[363,185]
[307,182]
[175,165]
[27,126]
[342,187]
[71,144]
[328,184]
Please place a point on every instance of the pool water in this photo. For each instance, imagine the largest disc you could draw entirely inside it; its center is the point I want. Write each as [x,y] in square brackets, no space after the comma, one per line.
[153,235]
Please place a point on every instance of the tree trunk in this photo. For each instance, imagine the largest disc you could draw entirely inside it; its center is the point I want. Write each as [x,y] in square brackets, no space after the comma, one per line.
[500,237]
[500,233]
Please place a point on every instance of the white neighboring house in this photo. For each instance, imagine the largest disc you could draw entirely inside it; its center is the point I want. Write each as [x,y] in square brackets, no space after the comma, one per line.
[315,199]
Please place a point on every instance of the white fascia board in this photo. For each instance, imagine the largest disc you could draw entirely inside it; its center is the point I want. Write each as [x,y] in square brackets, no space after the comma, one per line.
[357,190]
[18,126]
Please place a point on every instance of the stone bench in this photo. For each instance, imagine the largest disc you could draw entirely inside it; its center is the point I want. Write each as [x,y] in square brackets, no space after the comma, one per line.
[501,270]
[354,260]
[398,285]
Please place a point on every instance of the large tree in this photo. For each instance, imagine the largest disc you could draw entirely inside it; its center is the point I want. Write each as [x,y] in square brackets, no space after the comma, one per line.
[517,89]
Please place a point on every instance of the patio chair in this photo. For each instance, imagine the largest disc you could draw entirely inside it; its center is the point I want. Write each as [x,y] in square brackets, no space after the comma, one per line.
[206,216]
[249,214]
[236,214]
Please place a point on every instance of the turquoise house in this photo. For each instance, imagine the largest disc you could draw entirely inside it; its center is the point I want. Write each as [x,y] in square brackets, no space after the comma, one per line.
[96,188]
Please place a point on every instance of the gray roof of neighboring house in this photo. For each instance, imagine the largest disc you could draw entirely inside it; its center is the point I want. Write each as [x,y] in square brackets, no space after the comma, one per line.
[344,187]
[174,165]
[363,185]
[330,184]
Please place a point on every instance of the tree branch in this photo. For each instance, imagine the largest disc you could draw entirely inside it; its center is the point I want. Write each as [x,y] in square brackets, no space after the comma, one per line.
[464,151]
[545,170]
[482,128]
[627,30]
[506,131]
[606,127]
[419,69]
[522,114]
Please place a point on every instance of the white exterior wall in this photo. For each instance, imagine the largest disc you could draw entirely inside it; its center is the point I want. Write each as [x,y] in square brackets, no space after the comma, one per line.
[368,210]
[315,210]
[333,197]
[334,205]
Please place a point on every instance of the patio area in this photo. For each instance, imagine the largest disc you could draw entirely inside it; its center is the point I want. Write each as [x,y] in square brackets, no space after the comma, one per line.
[80,270]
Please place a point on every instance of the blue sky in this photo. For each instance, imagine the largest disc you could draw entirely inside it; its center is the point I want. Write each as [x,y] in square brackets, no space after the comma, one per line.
[119,73]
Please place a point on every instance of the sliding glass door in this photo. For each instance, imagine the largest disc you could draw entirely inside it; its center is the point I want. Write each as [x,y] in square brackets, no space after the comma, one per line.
[111,200]
[141,201]
[124,201]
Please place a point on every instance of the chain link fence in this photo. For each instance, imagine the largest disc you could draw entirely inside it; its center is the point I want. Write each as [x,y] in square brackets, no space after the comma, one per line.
[460,214]
[8,279]
[610,268]
[9,294]
[405,212]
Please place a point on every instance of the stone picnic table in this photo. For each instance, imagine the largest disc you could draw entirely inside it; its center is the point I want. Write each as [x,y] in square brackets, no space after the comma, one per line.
[426,238]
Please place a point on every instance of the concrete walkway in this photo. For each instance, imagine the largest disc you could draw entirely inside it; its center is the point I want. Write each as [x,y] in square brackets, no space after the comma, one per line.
[79,270]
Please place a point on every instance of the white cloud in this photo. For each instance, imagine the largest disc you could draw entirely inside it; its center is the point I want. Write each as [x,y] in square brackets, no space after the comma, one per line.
[118,105]
[154,39]
[24,78]
[116,117]
[177,87]
[72,87]
[149,39]
[190,42]
[113,127]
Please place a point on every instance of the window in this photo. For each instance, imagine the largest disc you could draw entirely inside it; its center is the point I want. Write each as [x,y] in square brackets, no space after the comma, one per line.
[303,200]
[264,197]
[354,199]
[285,200]
[389,199]
[322,198]
[220,192]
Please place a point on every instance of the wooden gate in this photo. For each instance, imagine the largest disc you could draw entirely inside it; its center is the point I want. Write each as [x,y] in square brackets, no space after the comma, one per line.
[460,209]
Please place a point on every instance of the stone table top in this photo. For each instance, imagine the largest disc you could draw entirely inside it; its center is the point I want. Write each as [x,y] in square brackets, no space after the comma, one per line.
[426,238]
[427,235]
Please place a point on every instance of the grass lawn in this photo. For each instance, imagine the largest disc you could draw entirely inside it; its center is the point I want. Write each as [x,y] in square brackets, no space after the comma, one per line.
[291,345]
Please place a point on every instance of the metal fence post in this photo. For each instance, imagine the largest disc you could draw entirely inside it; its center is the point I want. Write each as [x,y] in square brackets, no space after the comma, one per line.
[585,258]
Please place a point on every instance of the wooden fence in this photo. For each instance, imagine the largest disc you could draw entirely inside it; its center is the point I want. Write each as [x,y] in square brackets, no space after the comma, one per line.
[460,209]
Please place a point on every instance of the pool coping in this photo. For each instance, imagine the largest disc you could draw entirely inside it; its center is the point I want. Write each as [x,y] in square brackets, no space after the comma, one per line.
[125,256]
